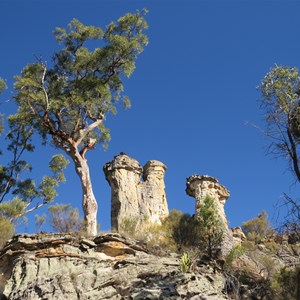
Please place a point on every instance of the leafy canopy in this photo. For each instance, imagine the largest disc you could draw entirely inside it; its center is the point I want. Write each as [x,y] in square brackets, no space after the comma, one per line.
[2,85]
[70,99]
[258,228]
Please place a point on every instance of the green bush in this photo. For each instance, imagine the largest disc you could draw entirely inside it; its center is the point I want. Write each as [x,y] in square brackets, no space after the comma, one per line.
[203,232]
[39,221]
[286,284]
[183,230]
[65,218]
[235,252]
[129,226]
[258,228]
[211,227]
[7,230]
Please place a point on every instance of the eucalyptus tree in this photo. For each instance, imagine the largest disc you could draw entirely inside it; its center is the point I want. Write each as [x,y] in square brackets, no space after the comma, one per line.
[2,87]
[67,102]
[280,101]
[20,195]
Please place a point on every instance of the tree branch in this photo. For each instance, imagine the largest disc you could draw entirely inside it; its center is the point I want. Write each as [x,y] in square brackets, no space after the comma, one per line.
[43,86]
[84,132]
[293,154]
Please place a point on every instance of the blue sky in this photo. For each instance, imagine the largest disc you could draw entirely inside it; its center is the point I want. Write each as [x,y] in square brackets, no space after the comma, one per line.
[193,93]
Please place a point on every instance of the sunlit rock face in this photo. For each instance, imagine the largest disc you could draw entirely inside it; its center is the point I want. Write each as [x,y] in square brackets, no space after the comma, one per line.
[136,191]
[62,266]
[200,186]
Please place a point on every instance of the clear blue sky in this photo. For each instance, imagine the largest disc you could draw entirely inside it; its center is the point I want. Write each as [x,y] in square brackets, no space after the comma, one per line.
[193,92]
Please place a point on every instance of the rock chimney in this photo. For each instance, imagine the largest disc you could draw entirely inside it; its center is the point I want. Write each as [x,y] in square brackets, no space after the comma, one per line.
[133,197]
[200,186]
[152,190]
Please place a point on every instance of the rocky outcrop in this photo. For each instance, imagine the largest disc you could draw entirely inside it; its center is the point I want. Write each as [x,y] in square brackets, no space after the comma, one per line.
[200,186]
[132,197]
[238,234]
[57,266]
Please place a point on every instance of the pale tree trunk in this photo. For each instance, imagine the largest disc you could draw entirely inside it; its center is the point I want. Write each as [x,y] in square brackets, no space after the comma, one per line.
[89,202]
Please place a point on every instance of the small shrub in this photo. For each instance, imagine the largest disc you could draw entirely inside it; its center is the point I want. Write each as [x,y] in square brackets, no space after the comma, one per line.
[211,227]
[234,253]
[268,265]
[249,245]
[129,226]
[186,263]
[286,284]
[183,229]
[272,246]
[64,218]
[7,230]
[258,228]
[39,221]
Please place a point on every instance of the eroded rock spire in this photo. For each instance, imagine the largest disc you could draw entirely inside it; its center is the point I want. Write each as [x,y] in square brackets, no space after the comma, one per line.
[132,197]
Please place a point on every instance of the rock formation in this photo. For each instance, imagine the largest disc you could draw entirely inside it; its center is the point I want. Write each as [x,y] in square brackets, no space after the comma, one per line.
[132,197]
[61,266]
[199,187]
[238,234]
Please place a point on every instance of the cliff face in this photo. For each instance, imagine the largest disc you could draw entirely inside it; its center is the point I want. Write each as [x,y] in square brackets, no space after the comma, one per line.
[57,266]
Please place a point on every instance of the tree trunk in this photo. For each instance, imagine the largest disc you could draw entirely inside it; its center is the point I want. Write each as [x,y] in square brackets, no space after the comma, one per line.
[89,202]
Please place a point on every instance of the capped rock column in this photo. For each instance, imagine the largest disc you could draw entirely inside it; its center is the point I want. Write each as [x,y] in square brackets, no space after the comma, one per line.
[200,186]
[123,174]
[153,202]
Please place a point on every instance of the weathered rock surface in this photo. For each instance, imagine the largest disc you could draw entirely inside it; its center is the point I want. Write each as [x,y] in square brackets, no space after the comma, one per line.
[238,234]
[57,266]
[200,186]
[132,197]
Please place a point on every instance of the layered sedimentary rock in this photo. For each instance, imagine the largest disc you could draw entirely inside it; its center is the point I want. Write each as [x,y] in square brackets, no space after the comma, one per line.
[136,191]
[200,186]
[61,266]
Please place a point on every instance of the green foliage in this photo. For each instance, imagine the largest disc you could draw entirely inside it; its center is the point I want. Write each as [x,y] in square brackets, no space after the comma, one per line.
[280,102]
[12,209]
[183,229]
[258,228]
[67,101]
[204,232]
[2,85]
[129,226]
[186,263]
[7,230]
[280,90]
[285,284]
[64,218]
[83,84]
[24,195]
[39,221]
[235,252]
[212,227]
